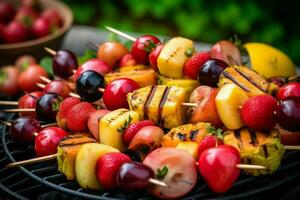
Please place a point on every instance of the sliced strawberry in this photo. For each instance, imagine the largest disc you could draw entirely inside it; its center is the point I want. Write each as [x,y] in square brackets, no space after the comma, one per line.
[132,129]
[64,107]
[107,168]
[191,66]
[208,142]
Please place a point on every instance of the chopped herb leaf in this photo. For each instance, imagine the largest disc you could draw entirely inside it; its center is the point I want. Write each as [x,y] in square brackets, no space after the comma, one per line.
[161,173]
[125,125]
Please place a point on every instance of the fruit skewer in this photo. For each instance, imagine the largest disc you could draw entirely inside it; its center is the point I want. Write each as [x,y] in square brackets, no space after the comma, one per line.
[72,94]
[9,103]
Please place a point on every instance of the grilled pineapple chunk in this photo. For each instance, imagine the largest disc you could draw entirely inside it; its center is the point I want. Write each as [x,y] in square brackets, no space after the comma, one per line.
[257,148]
[132,68]
[144,77]
[188,84]
[172,57]
[86,161]
[159,103]
[186,132]
[112,126]
[248,80]
[67,151]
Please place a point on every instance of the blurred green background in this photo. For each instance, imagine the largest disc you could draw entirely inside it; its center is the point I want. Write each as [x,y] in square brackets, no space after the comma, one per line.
[273,22]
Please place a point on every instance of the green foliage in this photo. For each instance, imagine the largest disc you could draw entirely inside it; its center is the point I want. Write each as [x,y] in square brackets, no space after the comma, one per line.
[268,21]
[46,63]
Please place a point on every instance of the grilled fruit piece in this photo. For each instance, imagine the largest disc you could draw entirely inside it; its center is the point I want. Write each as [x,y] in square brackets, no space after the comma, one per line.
[188,84]
[132,68]
[160,104]
[85,164]
[66,153]
[112,126]
[144,77]
[258,148]
[187,132]
[172,57]
[228,101]
[248,80]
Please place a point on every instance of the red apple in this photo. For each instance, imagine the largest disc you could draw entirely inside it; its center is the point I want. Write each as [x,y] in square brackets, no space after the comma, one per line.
[9,80]
[291,89]
[15,32]
[94,64]
[52,15]
[115,94]
[93,122]
[154,55]
[24,61]
[127,60]
[111,53]
[206,110]
[26,15]
[217,166]
[41,27]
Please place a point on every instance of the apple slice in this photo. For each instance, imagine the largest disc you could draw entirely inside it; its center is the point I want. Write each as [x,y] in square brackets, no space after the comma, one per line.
[228,101]
[176,168]
[93,122]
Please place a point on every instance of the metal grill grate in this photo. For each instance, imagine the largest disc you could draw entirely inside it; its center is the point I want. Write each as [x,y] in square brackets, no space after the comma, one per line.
[46,174]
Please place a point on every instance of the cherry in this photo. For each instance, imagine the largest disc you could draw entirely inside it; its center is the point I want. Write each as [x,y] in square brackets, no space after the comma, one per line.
[278,80]
[64,62]
[142,47]
[127,60]
[59,87]
[133,176]
[47,140]
[53,17]
[210,71]
[15,32]
[291,89]
[23,129]
[115,94]
[87,86]
[41,27]
[7,12]
[46,106]
[288,114]
[28,100]
[154,55]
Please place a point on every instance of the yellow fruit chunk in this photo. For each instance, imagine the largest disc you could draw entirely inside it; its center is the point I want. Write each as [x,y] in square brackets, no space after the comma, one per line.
[132,68]
[269,61]
[172,57]
[112,126]
[228,102]
[190,147]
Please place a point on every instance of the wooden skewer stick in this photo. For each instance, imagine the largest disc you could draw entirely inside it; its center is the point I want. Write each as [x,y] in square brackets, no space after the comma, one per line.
[5,123]
[9,103]
[45,79]
[290,147]
[50,51]
[42,126]
[157,182]
[40,85]
[31,161]
[121,33]
[294,78]
[189,104]
[71,93]
[20,110]
[246,166]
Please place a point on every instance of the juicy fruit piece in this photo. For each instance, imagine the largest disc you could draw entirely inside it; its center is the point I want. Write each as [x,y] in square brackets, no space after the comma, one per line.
[47,140]
[77,116]
[228,101]
[7,12]
[187,84]
[132,130]
[146,140]
[134,176]
[226,51]
[112,126]
[15,32]
[132,68]
[288,114]
[115,94]
[24,61]
[160,104]
[269,61]
[257,148]
[258,112]
[291,89]
[172,57]
[190,147]
[127,60]
[93,122]
[218,167]
[181,172]
[248,80]
[154,55]
[28,100]
[206,110]
[142,77]
[64,107]
[86,161]
[208,142]
[107,168]
[192,65]
[46,107]
[41,27]
[9,80]
[59,87]
[210,71]
[288,137]
[67,150]
[23,129]
[186,132]
[93,64]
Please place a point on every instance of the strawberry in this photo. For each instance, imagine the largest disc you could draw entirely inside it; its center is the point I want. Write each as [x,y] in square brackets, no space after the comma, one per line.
[64,107]
[77,116]
[208,142]
[133,128]
[107,168]
[258,112]
[192,65]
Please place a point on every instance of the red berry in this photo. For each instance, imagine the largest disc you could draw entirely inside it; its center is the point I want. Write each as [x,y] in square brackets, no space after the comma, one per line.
[77,116]
[258,112]
[133,128]
[154,55]
[208,142]
[107,168]
[15,32]
[191,67]
[93,64]
[66,105]
[41,27]
[127,60]
[291,89]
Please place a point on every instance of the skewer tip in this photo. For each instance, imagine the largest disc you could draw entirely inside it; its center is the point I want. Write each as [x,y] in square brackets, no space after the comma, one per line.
[50,51]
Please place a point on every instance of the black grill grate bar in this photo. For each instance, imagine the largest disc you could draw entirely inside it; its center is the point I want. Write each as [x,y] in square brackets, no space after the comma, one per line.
[31,188]
[284,168]
[54,177]
[3,159]
[10,176]
[19,183]
[17,152]
[244,181]
[43,170]
[69,184]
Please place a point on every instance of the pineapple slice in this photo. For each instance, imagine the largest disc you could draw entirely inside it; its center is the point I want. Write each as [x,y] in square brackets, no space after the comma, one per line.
[190,147]
[172,57]
[159,103]
[144,77]
[132,68]
[228,101]
[112,126]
